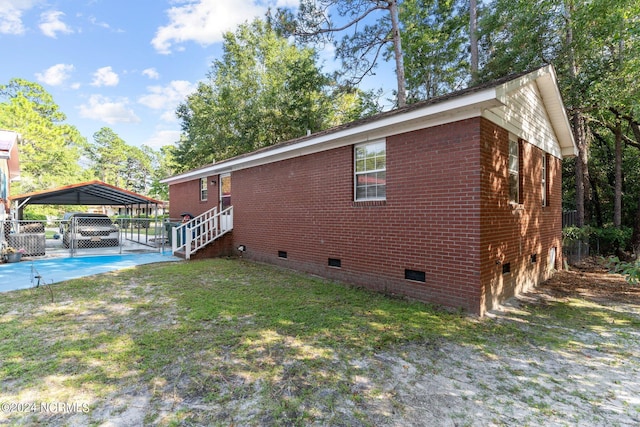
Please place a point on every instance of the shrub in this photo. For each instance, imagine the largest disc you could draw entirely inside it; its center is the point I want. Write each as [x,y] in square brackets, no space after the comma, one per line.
[630,270]
[574,233]
[610,239]
[607,240]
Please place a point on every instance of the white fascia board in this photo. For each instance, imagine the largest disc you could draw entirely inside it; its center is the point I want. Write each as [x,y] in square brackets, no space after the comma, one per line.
[548,87]
[458,108]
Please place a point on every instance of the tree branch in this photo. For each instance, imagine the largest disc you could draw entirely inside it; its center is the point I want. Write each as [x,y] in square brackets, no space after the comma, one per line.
[625,138]
[344,27]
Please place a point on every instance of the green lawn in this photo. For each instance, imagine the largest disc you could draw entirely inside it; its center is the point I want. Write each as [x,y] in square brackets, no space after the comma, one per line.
[229,342]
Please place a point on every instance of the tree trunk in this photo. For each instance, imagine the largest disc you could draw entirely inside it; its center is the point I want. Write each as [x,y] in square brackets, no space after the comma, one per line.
[617,199]
[579,131]
[582,170]
[397,49]
[597,205]
[635,237]
[473,38]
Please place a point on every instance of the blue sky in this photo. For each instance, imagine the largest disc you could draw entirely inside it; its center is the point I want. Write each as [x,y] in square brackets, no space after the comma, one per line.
[123,64]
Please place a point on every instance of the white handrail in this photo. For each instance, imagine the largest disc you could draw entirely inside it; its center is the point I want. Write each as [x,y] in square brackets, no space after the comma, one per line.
[201,230]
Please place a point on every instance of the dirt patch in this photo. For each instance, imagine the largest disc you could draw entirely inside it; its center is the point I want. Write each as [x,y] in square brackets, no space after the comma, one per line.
[591,281]
[591,378]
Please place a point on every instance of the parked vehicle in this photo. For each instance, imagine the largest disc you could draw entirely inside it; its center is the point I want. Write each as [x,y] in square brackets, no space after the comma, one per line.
[88,230]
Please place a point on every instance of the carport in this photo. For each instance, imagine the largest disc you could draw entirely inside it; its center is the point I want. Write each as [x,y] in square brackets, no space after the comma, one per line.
[91,193]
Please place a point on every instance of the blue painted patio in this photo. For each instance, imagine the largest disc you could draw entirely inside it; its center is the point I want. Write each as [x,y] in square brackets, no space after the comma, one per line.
[23,275]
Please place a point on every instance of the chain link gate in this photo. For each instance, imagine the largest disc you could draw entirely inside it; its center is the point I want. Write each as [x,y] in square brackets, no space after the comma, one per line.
[88,231]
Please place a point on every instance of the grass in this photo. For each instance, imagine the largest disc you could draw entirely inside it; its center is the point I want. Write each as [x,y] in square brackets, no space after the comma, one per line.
[225,342]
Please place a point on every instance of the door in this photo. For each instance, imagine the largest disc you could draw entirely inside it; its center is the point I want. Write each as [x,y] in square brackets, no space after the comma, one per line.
[225,201]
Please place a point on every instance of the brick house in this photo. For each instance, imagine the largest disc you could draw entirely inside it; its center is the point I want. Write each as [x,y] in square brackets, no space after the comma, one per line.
[9,168]
[454,201]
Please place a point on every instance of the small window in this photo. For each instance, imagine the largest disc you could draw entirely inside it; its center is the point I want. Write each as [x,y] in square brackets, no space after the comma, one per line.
[282,254]
[204,192]
[514,172]
[370,171]
[543,179]
[335,262]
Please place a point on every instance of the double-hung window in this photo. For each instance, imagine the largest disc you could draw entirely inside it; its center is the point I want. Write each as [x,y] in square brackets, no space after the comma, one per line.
[514,171]
[370,171]
[204,193]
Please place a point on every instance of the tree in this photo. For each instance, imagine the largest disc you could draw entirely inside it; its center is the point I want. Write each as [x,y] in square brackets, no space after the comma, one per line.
[162,166]
[435,42]
[50,148]
[595,47]
[139,169]
[133,168]
[262,91]
[361,49]
[473,38]
[109,154]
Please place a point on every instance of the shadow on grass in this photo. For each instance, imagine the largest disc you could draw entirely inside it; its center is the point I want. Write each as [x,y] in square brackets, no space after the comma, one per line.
[227,341]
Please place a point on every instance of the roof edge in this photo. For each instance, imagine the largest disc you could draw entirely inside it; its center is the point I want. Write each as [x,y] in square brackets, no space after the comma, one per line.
[412,117]
[444,109]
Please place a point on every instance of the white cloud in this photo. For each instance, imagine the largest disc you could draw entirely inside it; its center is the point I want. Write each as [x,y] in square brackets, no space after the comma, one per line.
[94,21]
[287,3]
[105,77]
[167,98]
[163,137]
[97,23]
[51,24]
[11,15]
[204,22]
[55,75]
[152,73]
[111,112]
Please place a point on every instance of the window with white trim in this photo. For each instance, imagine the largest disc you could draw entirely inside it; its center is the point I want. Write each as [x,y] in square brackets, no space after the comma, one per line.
[514,171]
[543,179]
[370,171]
[204,191]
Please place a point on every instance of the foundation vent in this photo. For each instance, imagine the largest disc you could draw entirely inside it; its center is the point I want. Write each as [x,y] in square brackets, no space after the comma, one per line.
[415,275]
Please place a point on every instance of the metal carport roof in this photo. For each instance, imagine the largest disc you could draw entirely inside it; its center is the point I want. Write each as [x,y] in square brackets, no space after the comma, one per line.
[85,193]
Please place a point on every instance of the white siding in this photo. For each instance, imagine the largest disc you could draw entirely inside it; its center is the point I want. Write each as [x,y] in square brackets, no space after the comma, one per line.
[524,114]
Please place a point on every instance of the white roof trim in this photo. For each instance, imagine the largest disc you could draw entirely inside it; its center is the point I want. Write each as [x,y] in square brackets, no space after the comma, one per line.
[454,109]
[474,104]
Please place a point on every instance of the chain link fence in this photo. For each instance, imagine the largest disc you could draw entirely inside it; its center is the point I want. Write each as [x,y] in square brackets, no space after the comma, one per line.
[85,234]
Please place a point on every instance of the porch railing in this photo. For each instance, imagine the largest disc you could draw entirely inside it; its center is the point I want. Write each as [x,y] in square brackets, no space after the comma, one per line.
[201,230]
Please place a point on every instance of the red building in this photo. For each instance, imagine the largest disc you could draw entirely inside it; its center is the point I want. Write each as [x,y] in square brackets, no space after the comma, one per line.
[9,168]
[454,201]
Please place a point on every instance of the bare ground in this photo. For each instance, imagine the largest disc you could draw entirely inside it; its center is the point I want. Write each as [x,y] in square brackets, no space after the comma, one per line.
[594,381]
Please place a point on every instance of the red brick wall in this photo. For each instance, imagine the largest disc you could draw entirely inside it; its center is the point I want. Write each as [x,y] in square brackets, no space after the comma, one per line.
[512,234]
[185,197]
[430,221]
[446,214]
